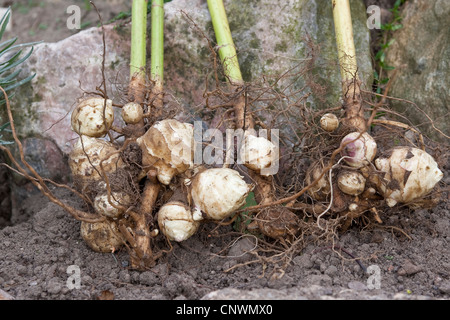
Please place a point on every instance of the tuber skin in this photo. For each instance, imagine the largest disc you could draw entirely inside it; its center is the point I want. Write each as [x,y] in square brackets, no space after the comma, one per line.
[218,192]
[85,158]
[258,154]
[101,236]
[351,182]
[176,222]
[168,147]
[408,174]
[322,189]
[93,117]
[132,113]
[329,122]
[359,149]
[278,223]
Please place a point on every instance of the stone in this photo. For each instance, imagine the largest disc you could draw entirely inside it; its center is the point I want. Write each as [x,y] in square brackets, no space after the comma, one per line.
[5,296]
[255,294]
[357,286]
[444,287]
[54,286]
[241,248]
[422,68]
[408,268]
[331,271]
[303,261]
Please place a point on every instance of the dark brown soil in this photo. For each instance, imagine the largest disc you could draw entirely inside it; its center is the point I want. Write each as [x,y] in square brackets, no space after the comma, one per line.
[36,255]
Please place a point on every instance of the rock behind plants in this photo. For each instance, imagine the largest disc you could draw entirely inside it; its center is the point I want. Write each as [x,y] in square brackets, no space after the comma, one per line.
[421,55]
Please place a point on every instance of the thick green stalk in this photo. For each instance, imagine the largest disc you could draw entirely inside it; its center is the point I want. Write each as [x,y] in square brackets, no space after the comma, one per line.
[157,56]
[347,60]
[244,119]
[157,39]
[344,39]
[138,38]
[227,50]
[141,256]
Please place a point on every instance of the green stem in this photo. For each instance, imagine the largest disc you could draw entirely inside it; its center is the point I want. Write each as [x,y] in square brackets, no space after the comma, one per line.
[157,40]
[344,39]
[227,50]
[349,68]
[138,38]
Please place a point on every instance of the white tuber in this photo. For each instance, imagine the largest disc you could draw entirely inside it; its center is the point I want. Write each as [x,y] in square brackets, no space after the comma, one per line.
[259,154]
[92,117]
[101,236]
[360,152]
[85,158]
[168,146]
[176,222]
[132,112]
[409,174]
[321,189]
[329,122]
[218,192]
[351,182]
[103,206]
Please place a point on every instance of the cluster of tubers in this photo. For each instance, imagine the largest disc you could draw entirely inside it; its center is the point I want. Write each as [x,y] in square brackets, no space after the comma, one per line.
[144,182]
[167,151]
[399,175]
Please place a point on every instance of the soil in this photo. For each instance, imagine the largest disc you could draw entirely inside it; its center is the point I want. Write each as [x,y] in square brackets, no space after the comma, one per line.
[37,254]
[408,251]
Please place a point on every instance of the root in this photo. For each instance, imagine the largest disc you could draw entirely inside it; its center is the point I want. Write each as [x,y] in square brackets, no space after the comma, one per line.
[35,178]
[331,193]
[401,125]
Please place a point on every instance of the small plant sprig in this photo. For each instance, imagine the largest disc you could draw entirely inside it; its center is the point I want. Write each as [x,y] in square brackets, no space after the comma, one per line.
[386,41]
[10,58]
[3,128]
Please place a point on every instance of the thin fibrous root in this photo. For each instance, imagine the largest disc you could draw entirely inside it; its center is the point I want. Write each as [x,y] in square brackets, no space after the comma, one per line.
[36,179]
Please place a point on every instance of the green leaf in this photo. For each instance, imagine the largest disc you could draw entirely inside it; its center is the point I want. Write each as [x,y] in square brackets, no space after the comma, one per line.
[398,3]
[3,126]
[12,59]
[18,46]
[388,67]
[375,74]
[7,79]
[2,142]
[8,43]
[19,61]
[10,96]
[243,217]
[386,27]
[378,55]
[384,80]
[21,82]
[8,75]
[396,27]
[4,22]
